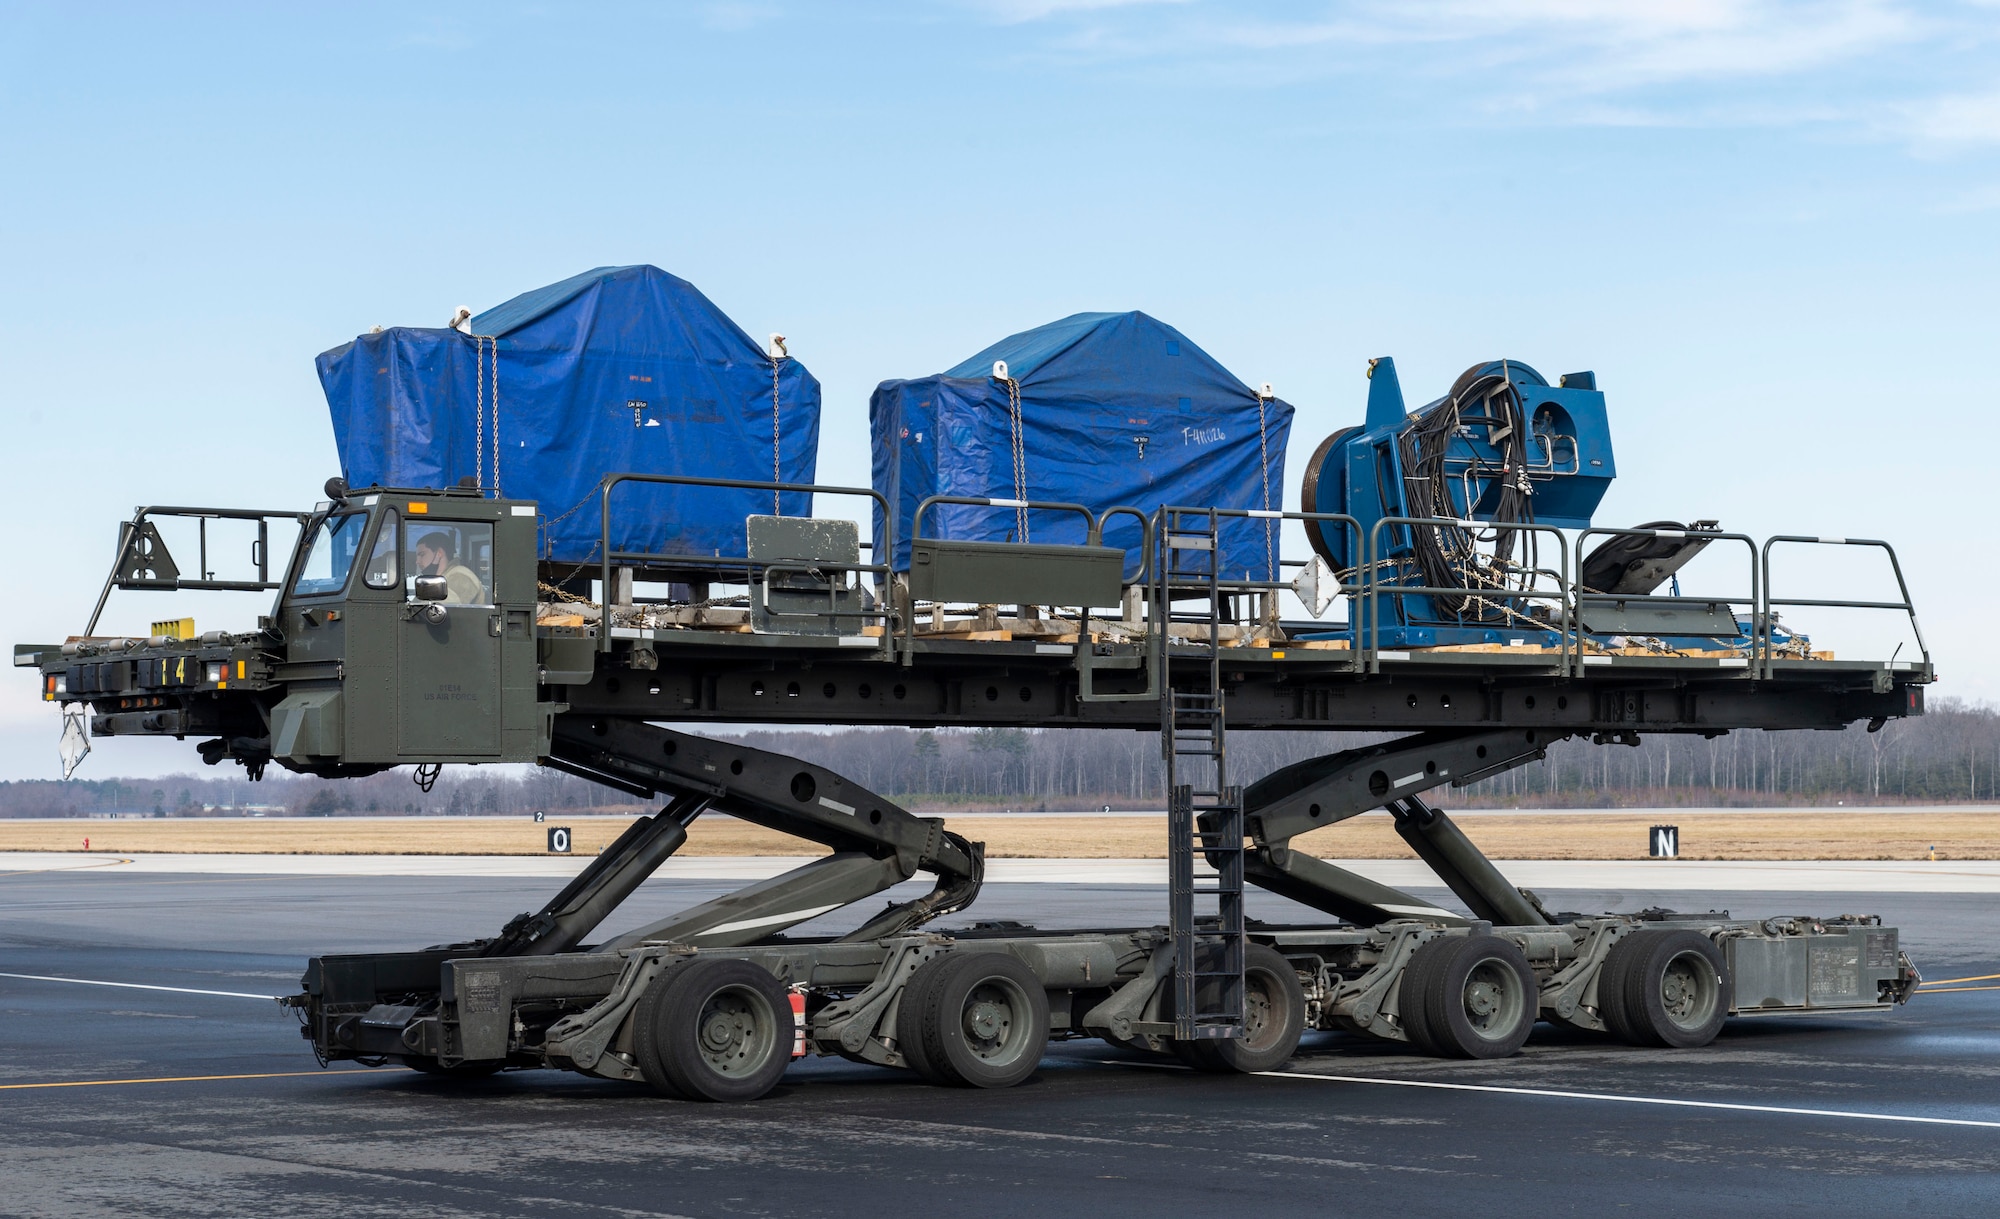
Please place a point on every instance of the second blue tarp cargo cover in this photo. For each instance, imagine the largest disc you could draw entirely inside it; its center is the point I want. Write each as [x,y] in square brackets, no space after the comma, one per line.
[1115,408]
[620,369]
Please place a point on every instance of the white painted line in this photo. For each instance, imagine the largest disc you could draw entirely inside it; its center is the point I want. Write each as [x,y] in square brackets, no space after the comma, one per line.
[837,806]
[795,916]
[1054,649]
[1739,662]
[179,990]
[1406,780]
[1421,911]
[858,641]
[1640,1100]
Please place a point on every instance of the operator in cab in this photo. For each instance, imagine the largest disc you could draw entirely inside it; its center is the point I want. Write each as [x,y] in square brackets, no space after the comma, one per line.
[434,558]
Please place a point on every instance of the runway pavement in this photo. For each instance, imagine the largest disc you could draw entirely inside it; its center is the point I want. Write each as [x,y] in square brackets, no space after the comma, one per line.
[1786,1117]
[1666,875]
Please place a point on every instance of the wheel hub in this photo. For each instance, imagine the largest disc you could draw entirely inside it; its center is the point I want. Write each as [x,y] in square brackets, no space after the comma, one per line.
[985,1020]
[724,1031]
[1256,1013]
[1680,992]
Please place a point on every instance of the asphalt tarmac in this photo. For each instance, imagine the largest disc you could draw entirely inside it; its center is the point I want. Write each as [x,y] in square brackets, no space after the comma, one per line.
[127,1101]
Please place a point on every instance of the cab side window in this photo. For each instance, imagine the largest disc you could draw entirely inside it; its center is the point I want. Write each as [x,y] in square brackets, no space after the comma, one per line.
[381,571]
[458,552]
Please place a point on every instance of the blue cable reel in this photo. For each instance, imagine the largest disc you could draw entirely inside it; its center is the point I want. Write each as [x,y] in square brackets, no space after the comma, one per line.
[1503,448]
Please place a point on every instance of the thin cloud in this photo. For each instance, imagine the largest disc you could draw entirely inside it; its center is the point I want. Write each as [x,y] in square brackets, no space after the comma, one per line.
[1961,121]
[1023,11]
[1585,62]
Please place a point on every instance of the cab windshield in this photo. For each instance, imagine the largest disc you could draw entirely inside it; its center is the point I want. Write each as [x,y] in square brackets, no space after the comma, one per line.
[330,557]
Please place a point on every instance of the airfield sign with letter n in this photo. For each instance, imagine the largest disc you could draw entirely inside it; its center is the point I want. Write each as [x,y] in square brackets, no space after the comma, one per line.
[1665,842]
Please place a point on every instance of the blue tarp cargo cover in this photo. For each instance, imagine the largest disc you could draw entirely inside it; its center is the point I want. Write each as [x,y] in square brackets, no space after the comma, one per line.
[617,370]
[1116,408]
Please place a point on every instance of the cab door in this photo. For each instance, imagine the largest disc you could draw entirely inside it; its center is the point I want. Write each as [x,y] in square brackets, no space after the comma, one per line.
[449,651]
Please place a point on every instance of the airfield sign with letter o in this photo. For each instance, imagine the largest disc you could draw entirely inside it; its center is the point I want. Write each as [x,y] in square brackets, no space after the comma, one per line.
[559,840]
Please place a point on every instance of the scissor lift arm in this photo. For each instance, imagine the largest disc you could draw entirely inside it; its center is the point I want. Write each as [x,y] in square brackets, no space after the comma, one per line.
[1323,791]
[876,843]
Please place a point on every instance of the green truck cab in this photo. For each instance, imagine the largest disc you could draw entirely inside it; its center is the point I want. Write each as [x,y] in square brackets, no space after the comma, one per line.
[403,633]
[408,632]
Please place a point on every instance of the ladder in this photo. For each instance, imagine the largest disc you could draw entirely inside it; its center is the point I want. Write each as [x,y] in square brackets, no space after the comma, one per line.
[1205,815]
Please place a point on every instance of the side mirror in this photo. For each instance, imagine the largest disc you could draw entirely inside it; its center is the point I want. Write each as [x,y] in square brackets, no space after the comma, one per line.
[432,588]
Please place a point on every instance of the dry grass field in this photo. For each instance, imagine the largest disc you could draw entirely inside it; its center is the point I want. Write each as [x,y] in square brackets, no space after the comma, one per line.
[1776,834]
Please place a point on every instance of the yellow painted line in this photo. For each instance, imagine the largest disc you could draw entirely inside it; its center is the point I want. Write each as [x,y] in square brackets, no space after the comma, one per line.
[82,867]
[1953,981]
[1953,990]
[168,1079]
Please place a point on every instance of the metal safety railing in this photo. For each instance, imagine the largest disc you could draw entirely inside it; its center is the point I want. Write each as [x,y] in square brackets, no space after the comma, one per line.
[143,561]
[1088,661]
[1586,597]
[1763,655]
[1090,532]
[1374,590]
[1371,588]
[752,568]
[1160,581]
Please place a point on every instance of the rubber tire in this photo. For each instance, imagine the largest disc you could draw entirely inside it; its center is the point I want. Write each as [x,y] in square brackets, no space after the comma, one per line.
[1633,995]
[1411,989]
[910,1014]
[948,1053]
[668,1032]
[1611,985]
[1449,1025]
[1265,969]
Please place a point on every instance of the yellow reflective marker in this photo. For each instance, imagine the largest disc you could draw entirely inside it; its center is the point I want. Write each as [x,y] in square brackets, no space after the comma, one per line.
[419,507]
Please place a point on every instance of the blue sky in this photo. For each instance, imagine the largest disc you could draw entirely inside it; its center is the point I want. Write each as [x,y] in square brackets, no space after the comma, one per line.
[1769,227]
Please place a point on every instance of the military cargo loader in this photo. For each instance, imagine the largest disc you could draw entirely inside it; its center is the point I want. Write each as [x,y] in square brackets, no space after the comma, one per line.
[422,627]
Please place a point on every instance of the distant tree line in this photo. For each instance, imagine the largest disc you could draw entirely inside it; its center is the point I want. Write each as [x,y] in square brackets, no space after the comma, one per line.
[1951,754]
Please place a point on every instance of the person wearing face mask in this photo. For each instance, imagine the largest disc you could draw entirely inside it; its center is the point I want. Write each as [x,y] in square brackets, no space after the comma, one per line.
[435,558]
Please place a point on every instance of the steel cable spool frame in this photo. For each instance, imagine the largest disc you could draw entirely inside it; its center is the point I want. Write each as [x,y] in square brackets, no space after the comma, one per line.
[1504,452]
[1447,555]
